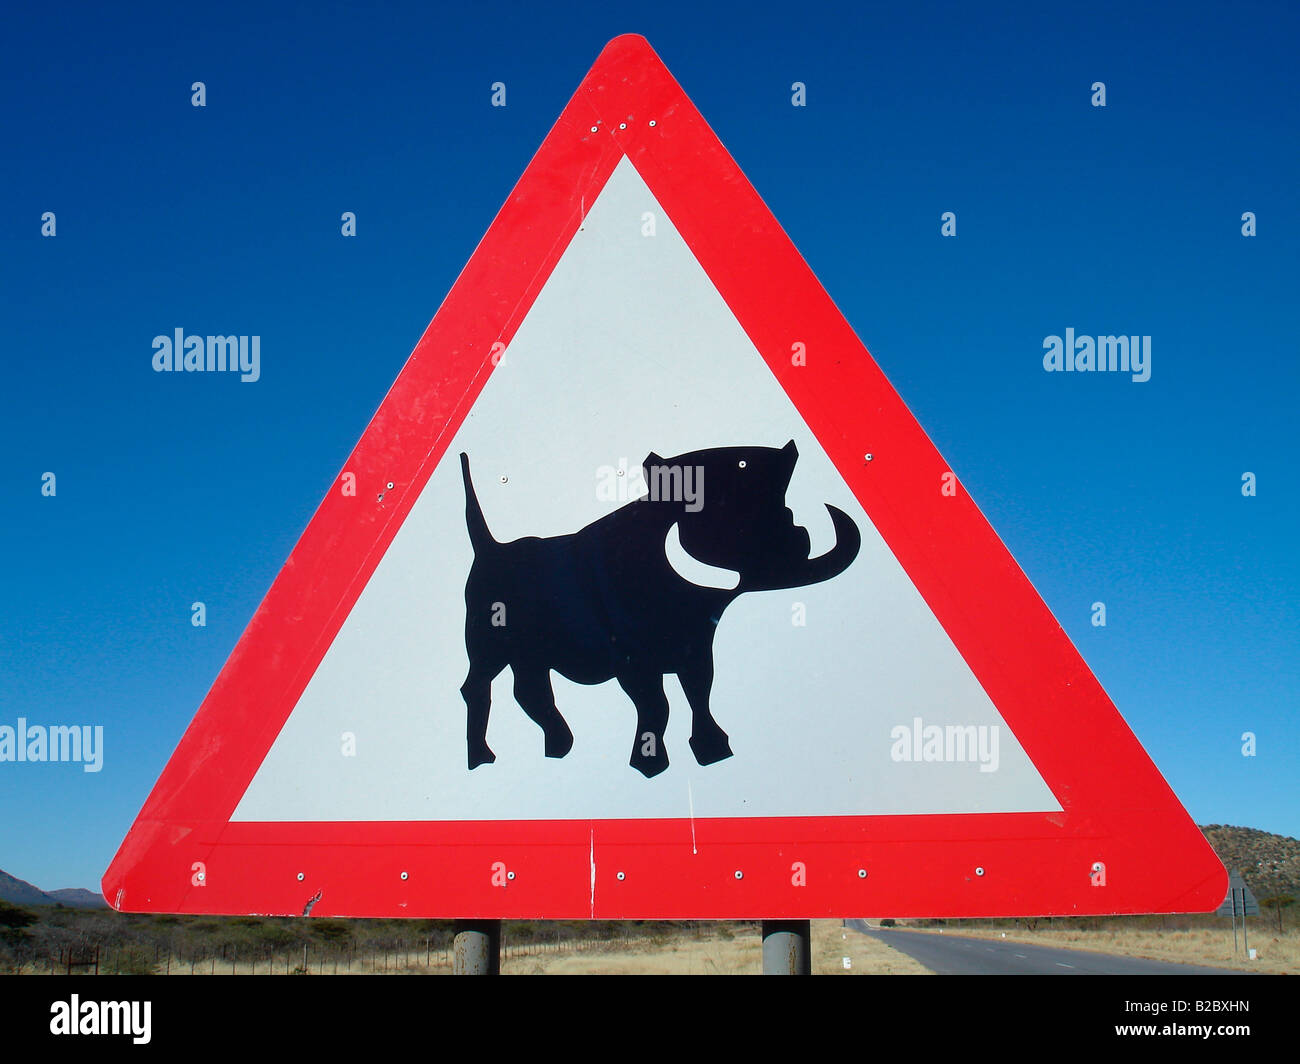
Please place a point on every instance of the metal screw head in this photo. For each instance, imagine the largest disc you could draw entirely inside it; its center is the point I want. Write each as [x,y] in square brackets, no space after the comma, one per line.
[510,875]
[622,125]
[740,874]
[621,877]
[301,877]
[867,457]
[504,479]
[652,121]
[593,129]
[405,876]
[862,873]
[979,871]
[390,485]
[202,877]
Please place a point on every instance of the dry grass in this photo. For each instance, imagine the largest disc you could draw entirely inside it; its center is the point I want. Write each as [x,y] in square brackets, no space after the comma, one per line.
[867,955]
[1211,948]
[716,954]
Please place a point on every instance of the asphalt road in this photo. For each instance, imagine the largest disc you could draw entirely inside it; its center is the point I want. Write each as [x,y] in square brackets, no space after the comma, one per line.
[949,954]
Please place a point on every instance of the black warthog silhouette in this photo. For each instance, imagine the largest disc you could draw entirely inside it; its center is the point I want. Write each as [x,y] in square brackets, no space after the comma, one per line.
[605,603]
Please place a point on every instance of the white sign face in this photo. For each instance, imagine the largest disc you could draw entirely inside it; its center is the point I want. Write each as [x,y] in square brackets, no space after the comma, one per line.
[843,697]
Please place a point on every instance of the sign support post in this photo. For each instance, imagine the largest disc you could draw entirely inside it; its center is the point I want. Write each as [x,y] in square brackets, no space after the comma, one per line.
[476,949]
[787,947]
[1246,906]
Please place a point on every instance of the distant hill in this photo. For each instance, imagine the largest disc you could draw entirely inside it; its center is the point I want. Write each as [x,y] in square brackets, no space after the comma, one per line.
[1270,864]
[79,898]
[20,892]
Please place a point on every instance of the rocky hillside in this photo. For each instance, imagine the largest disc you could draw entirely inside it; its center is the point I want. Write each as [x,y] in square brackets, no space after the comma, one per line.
[20,892]
[1270,864]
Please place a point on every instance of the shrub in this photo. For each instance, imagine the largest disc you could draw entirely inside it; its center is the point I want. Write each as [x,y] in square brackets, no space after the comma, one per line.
[13,916]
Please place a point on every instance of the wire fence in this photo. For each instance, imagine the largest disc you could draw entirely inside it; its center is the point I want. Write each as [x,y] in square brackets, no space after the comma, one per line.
[431,954]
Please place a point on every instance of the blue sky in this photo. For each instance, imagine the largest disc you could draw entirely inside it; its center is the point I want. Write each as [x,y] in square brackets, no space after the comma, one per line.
[1122,219]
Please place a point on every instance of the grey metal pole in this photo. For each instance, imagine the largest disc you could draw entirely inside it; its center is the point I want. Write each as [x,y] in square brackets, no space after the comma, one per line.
[476,949]
[1233,894]
[1245,941]
[787,947]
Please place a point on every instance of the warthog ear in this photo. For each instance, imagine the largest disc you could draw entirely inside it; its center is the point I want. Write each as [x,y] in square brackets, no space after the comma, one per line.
[651,459]
[790,453]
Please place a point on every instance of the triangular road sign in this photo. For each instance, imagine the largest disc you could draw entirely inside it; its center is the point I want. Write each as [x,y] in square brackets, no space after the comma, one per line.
[886,719]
